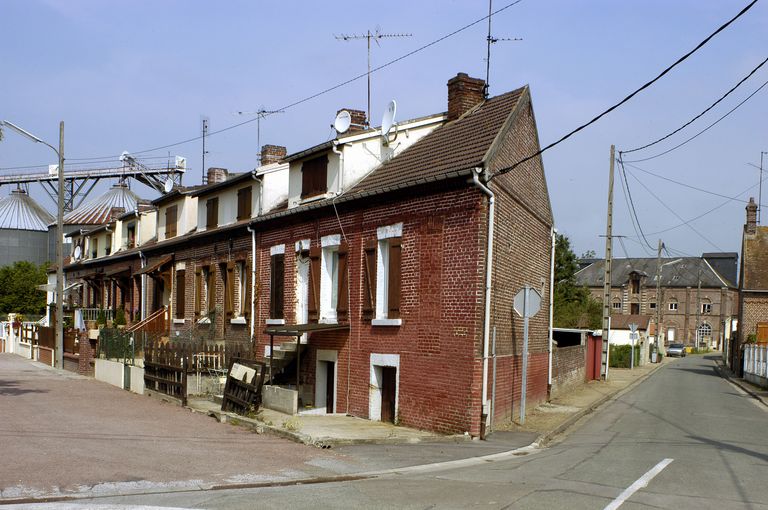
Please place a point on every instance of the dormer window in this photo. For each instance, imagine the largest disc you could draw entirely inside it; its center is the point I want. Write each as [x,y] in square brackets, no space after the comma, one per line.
[108,245]
[212,213]
[94,248]
[314,177]
[131,236]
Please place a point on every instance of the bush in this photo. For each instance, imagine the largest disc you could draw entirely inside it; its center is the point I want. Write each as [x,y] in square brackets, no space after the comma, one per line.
[101,318]
[119,317]
[620,356]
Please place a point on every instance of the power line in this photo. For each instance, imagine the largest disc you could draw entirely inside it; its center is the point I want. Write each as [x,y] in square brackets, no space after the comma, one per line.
[632,217]
[331,88]
[632,203]
[703,130]
[654,195]
[630,96]
[700,114]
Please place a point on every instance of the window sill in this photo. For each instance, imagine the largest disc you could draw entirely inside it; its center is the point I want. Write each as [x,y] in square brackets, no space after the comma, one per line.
[275,322]
[313,198]
[386,322]
[328,320]
[179,321]
[237,320]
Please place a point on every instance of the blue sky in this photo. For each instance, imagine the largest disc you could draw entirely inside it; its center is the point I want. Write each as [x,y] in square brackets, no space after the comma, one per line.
[132,75]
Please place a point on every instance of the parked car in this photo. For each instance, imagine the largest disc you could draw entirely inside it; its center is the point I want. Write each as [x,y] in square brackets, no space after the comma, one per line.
[676,350]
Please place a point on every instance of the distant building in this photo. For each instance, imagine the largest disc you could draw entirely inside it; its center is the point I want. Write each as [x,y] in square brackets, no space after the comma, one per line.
[23,229]
[698,294]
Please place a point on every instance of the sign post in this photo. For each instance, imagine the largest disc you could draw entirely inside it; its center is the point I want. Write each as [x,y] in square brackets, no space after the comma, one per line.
[632,338]
[527,304]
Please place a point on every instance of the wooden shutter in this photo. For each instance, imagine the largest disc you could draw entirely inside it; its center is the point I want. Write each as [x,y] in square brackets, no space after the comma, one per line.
[369,280]
[180,291]
[170,222]
[314,176]
[393,287]
[762,332]
[342,304]
[244,203]
[277,286]
[229,289]
[212,213]
[314,284]
[198,291]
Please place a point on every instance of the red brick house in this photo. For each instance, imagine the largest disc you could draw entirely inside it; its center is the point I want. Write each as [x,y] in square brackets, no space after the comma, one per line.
[383,273]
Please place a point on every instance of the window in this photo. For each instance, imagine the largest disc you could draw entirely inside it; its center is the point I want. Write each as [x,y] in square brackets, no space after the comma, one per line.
[634,308]
[244,290]
[635,286]
[314,177]
[706,308]
[170,221]
[228,277]
[277,286]
[212,213]
[616,304]
[199,291]
[388,279]
[652,305]
[108,245]
[131,236]
[704,333]
[94,248]
[206,291]
[369,280]
[333,280]
[673,306]
[244,203]
[180,288]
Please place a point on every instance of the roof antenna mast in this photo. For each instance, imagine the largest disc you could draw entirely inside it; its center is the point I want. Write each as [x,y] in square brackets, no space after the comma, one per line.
[490,40]
[260,114]
[376,35]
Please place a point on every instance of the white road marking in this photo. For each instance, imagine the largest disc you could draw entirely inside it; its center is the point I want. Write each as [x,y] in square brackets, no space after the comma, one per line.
[639,484]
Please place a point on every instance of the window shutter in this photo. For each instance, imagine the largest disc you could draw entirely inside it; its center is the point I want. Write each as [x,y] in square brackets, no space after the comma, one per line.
[314,284]
[198,290]
[229,289]
[393,288]
[244,203]
[369,279]
[342,305]
[180,291]
[170,222]
[212,213]
[314,176]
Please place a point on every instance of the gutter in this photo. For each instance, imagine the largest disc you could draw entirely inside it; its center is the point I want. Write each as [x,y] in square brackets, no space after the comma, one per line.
[488,279]
[143,259]
[551,311]
[253,280]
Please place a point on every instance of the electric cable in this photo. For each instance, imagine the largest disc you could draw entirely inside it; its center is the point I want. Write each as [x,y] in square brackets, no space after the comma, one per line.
[629,210]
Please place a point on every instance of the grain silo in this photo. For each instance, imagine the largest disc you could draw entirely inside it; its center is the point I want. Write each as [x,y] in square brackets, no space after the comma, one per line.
[23,229]
[92,214]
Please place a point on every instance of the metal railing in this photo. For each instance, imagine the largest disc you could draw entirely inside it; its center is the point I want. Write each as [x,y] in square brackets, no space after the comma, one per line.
[92,314]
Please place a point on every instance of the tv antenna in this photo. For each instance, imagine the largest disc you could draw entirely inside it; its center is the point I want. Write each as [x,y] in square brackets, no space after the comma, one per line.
[489,41]
[375,35]
[204,121]
[260,114]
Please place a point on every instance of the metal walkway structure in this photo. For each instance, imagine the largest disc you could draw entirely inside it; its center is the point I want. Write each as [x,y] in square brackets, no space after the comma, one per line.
[80,182]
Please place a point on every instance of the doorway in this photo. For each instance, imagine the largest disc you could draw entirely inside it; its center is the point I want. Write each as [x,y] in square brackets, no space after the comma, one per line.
[388,393]
[325,381]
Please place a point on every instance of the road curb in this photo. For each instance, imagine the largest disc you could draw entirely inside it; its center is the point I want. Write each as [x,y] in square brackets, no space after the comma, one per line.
[722,372]
[548,436]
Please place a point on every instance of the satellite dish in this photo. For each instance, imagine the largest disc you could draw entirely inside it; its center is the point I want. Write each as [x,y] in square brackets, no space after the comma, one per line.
[78,252]
[342,122]
[388,120]
[168,186]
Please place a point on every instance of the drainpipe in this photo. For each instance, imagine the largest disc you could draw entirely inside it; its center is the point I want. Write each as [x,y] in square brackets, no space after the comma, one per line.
[253,280]
[551,309]
[341,165]
[143,259]
[488,278]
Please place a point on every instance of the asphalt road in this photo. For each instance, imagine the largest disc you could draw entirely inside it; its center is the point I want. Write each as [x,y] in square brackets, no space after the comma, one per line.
[684,438]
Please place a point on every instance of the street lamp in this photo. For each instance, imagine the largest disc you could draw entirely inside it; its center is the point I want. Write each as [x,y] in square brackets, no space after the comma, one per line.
[59,322]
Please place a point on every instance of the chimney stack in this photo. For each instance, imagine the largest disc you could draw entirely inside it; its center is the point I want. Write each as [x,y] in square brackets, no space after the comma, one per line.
[272,154]
[216,174]
[358,120]
[116,212]
[751,226]
[464,93]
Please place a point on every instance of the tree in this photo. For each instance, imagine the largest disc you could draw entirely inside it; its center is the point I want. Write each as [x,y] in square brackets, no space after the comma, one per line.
[589,254]
[574,305]
[18,288]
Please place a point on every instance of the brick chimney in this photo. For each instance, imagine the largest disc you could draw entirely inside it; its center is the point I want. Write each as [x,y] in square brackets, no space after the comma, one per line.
[115,212]
[464,93]
[272,154]
[359,122]
[216,174]
[751,226]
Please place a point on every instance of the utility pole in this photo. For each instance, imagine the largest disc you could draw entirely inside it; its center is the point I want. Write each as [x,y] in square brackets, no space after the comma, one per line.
[658,297]
[760,190]
[698,308]
[607,275]
[59,322]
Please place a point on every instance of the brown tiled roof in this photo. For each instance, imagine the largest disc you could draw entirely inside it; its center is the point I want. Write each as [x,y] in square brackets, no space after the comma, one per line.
[455,146]
[755,260]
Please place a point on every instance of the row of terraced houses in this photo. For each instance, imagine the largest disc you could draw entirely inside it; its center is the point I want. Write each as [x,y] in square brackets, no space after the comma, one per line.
[385,264]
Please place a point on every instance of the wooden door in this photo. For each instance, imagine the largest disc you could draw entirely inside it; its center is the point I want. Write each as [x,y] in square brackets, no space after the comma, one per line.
[594,350]
[330,373]
[388,392]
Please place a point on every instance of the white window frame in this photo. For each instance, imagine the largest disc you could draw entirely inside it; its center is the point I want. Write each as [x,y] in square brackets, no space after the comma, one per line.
[329,278]
[384,234]
[242,287]
[616,305]
[673,306]
[706,308]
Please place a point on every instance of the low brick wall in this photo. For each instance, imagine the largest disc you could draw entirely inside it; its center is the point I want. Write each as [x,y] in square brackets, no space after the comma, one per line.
[568,368]
[71,362]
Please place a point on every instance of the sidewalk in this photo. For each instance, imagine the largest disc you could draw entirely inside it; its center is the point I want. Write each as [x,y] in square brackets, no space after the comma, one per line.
[761,394]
